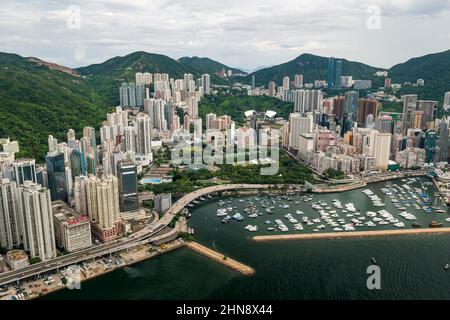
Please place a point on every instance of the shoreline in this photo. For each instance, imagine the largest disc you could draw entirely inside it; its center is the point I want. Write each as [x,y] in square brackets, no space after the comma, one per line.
[176,244]
[341,188]
[443,194]
[246,270]
[363,183]
[220,258]
[350,234]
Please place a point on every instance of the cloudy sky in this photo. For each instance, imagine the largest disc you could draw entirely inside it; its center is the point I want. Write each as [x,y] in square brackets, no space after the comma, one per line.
[247,34]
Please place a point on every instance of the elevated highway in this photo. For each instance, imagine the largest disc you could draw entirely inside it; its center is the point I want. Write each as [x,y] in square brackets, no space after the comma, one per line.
[148,234]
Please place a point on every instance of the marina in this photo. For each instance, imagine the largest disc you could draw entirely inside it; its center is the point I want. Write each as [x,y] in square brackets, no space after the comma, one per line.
[403,204]
[420,257]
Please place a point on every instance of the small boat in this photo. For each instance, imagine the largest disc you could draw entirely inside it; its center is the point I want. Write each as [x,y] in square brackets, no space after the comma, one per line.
[221,212]
[446,267]
[373,260]
[416,225]
[435,224]
[251,228]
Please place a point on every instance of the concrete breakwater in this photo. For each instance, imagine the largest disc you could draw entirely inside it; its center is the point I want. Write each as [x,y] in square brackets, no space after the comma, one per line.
[350,234]
[218,257]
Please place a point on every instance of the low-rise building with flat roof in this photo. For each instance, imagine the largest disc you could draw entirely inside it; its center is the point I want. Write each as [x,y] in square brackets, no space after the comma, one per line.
[72,230]
[163,202]
[17,259]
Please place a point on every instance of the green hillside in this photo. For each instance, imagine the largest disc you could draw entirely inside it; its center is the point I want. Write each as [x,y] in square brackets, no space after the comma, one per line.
[125,68]
[36,101]
[236,105]
[207,65]
[106,77]
[433,68]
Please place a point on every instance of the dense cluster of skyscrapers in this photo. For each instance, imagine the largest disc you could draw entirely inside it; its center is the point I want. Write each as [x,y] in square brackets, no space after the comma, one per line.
[88,184]
[87,188]
[351,134]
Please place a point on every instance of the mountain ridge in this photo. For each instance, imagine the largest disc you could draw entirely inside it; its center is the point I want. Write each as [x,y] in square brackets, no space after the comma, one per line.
[433,67]
[124,67]
[38,98]
[207,65]
[312,67]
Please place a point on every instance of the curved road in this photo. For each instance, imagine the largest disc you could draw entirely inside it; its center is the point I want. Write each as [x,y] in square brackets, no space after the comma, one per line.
[141,236]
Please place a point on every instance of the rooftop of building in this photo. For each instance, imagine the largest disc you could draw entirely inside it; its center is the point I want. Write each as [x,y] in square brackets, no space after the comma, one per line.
[4,154]
[24,160]
[126,163]
[30,186]
[17,255]
[65,214]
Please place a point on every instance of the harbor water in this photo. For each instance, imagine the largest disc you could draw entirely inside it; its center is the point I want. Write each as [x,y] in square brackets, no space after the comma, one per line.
[412,266]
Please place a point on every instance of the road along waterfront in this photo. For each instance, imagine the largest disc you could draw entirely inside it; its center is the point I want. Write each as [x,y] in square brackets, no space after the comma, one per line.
[147,234]
[411,265]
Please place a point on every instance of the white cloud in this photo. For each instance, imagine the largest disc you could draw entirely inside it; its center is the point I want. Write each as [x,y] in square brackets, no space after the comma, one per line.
[240,33]
[413,7]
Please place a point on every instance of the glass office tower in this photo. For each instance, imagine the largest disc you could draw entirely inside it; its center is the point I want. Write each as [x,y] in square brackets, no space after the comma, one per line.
[56,173]
[128,191]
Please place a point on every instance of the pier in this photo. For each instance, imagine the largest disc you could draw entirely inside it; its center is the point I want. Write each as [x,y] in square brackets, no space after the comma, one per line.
[351,234]
[218,257]
[443,192]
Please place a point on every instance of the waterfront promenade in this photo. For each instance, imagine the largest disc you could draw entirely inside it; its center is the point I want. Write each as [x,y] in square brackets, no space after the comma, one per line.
[338,188]
[350,234]
[149,234]
[220,258]
[347,185]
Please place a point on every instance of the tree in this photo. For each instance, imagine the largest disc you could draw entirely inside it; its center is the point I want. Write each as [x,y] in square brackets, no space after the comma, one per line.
[333,174]
[35,260]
